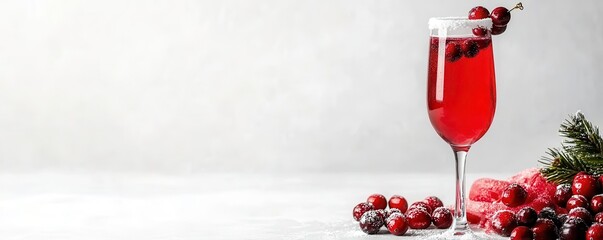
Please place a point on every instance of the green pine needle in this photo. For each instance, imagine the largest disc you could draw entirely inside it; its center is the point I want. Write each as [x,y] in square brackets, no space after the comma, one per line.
[582,150]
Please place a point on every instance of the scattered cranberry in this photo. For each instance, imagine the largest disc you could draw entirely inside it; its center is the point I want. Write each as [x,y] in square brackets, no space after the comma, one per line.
[433,202]
[421,205]
[579,174]
[360,209]
[478,12]
[522,233]
[480,31]
[577,201]
[585,185]
[497,30]
[544,229]
[397,224]
[371,222]
[453,51]
[377,200]
[398,202]
[581,213]
[573,228]
[503,222]
[549,213]
[500,16]
[469,48]
[526,216]
[596,203]
[599,218]
[441,217]
[562,194]
[595,232]
[418,218]
[391,211]
[514,195]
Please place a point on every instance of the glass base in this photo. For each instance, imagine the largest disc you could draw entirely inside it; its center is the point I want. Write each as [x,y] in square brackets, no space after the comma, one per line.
[458,234]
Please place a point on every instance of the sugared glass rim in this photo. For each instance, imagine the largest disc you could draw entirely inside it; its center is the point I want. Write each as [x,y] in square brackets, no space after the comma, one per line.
[451,23]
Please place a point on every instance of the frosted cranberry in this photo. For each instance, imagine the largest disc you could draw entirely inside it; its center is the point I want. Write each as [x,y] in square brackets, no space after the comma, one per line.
[398,202]
[421,205]
[391,211]
[596,203]
[577,201]
[581,213]
[480,31]
[360,209]
[503,222]
[526,216]
[479,12]
[377,200]
[599,218]
[595,232]
[544,229]
[500,16]
[562,194]
[573,228]
[585,185]
[418,218]
[441,217]
[522,233]
[514,195]
[549,213]
[433,202]
[371,222]
[497,30]
[453,52]
[397,224]
[469,48]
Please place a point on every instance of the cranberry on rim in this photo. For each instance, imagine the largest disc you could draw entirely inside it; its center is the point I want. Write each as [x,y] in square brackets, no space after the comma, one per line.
[377,200]
[478,12]
[500,16]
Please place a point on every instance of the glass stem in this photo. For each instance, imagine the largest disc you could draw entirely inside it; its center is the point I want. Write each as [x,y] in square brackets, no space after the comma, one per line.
[460,209]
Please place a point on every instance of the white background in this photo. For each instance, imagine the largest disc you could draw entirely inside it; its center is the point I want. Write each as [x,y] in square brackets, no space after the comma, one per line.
[187,87]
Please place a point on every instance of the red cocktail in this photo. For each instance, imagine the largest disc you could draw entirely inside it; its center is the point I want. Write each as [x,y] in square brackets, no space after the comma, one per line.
[461,95]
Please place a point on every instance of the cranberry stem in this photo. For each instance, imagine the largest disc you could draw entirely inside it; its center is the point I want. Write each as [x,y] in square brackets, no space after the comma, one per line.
[517,6]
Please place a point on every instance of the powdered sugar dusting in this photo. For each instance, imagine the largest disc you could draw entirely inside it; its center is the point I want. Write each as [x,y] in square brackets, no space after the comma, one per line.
[452,23]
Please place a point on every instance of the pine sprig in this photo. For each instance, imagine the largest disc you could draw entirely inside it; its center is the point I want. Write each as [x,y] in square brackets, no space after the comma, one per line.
[582,150]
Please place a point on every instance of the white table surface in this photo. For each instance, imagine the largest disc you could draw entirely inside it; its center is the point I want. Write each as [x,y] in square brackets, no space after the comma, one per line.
[48,206]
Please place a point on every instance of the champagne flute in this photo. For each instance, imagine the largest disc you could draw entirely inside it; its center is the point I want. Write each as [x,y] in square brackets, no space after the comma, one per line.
[461,95]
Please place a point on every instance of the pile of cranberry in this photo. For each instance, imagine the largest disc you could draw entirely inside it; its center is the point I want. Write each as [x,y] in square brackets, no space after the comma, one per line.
[372,214]
[582,200]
